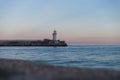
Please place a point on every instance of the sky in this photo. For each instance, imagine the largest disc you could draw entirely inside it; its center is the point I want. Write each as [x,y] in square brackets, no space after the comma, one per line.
[76,21]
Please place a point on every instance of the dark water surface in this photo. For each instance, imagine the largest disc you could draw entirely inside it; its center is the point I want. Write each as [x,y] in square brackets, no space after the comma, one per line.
[82,55]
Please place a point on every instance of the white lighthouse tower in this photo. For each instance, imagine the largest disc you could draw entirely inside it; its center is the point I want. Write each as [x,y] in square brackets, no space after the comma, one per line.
[55,36]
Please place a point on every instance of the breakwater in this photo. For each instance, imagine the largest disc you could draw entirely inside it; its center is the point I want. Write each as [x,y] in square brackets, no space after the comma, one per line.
[45,42]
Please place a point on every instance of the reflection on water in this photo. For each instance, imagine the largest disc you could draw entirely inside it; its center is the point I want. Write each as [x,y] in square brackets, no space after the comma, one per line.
[107,56]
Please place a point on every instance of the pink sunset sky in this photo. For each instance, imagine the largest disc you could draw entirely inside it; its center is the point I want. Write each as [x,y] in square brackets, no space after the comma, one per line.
[76,21]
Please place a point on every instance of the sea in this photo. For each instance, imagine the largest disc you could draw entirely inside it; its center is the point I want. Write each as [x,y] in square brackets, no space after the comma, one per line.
[75,55]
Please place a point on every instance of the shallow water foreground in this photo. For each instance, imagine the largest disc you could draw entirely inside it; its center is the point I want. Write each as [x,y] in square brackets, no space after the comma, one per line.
[77,55]
[27,70]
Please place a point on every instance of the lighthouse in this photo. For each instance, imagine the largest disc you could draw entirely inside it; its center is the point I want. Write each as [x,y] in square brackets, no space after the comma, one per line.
[55,36]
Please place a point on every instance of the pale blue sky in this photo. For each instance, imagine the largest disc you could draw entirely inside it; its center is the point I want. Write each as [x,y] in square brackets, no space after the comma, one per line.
[84,21]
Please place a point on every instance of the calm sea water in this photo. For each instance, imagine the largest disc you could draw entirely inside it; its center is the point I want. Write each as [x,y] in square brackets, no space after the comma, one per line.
[82,55]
